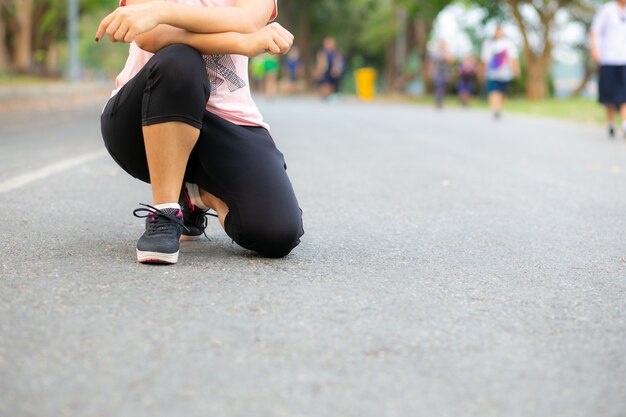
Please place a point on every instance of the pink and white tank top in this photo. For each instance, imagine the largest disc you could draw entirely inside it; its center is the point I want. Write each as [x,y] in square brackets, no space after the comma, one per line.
[230,96]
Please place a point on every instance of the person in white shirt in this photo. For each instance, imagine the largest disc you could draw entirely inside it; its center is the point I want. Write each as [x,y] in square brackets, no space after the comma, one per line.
[608,49]
[500,60]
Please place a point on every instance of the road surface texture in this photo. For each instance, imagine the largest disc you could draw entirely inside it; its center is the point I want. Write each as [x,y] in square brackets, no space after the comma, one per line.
[452,266]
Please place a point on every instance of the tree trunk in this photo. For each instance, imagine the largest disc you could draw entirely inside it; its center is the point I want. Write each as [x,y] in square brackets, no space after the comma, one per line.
[304,43]
[422,30]
[537,62]
[391,70]
[589,72]
[23,52]
[52,60]
[4,53]
[537,87]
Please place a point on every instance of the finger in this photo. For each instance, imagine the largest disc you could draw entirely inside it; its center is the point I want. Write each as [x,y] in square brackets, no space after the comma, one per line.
[287,34]
[272,48]
[282,31]
[104,24]
[130,36]
[282,43]
[120,33]
[288,42]
[113,27]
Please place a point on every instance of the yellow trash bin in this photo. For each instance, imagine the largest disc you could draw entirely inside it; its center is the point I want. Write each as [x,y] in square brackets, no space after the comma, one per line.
[365,83]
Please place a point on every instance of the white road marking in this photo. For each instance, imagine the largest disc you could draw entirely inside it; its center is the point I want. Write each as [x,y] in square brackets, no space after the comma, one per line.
[49,170]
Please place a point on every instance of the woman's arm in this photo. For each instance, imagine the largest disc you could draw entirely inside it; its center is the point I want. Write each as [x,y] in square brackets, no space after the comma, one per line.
[126,23]
[273,39]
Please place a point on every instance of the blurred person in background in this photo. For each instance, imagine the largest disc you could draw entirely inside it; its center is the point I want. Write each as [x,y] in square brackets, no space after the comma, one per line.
[608,49]
[500,60]
[271,65]
[466,73]
[293,69]
[257,72]
[329,68]
[440,70]
[182,119]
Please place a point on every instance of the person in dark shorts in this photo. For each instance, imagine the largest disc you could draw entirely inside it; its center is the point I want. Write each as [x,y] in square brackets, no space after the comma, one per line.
[182,119]
[329,68]
[466,73]
[440,62]
[501,65]
[608,49]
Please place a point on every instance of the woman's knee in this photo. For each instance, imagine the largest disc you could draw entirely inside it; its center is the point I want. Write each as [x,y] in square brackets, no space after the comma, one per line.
[180,68]
[280,241]
[274,239]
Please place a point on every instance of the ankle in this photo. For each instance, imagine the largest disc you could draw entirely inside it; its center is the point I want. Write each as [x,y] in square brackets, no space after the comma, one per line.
[164,206]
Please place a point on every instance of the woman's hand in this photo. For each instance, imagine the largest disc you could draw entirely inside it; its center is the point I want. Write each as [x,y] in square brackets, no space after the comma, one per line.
[273,39]
[124,24]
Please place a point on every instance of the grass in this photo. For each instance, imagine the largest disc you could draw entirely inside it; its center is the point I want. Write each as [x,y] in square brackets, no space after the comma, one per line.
[574,109]
[9,79]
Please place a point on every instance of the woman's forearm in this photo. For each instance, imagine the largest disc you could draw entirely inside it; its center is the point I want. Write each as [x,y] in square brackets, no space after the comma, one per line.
[215,43]
[246,16]
[124,24]
[272,38]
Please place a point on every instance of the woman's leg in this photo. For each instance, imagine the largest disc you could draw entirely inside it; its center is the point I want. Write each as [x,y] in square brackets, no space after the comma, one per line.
[242,176]
[610,114]
[440,92]
[167,158]
[496,99]
[610,119]
[166,98]
[150,128]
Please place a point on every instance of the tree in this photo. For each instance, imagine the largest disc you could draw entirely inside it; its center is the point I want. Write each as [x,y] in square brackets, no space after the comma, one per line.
[4,52]
[583,13]
[31,30]
[23,43]
[422,16]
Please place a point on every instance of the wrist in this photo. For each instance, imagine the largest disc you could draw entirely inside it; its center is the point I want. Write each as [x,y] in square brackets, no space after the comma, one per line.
[241,43]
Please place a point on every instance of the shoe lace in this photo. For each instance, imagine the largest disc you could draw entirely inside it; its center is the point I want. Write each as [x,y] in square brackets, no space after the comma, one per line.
[159,220]
[205,221]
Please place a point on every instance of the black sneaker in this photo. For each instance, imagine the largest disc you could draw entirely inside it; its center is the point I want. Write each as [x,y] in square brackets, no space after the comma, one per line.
[194,218]
[160,242]
[611,132]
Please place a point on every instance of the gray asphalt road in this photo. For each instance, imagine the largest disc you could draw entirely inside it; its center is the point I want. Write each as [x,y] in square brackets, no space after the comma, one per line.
[452,266]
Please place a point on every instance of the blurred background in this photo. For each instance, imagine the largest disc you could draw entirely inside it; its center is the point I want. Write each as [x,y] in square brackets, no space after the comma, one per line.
[44,41]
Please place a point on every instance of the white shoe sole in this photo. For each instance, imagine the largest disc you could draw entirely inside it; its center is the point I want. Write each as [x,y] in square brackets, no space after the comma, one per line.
[157,257]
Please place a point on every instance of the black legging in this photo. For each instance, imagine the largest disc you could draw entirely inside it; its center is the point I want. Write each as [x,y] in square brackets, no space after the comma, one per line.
[238,164]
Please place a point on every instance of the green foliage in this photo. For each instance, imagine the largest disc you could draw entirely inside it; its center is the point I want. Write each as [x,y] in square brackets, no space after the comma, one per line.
[427,10]
[379,27]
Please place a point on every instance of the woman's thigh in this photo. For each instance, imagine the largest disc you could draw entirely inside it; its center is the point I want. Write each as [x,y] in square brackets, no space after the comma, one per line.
[172,86]
[242,166]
